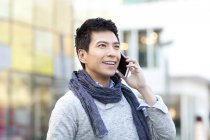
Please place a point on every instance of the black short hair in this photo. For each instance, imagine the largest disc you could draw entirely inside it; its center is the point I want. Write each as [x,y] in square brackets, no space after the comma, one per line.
[83,33]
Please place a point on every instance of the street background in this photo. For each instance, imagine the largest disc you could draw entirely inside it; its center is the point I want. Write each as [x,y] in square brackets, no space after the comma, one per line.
[169,38]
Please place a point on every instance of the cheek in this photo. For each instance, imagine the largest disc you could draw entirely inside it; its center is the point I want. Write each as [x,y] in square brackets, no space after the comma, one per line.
[94,59]
[119,56]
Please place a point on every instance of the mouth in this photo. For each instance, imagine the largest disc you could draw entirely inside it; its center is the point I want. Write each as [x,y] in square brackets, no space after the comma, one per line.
[111,63]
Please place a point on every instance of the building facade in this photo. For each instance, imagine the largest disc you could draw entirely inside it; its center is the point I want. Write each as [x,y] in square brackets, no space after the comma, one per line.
[36,61]
[165,36]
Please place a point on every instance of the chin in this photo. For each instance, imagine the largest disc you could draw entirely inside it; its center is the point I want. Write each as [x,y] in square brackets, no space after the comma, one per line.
[109,73]
[112,73]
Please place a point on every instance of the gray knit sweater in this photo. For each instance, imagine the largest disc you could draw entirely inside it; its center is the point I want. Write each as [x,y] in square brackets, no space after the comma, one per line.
[69,121]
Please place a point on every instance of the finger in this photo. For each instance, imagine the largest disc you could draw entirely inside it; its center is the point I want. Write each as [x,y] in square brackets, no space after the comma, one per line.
[132,65]
[130,60]
[120,74]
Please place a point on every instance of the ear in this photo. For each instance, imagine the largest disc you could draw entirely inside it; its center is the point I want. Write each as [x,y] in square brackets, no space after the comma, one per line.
[82,55]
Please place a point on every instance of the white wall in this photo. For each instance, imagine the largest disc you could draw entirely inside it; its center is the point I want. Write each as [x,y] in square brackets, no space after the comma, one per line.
[187,23]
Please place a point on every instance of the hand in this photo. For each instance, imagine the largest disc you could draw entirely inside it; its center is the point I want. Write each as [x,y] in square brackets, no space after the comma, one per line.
[137,81]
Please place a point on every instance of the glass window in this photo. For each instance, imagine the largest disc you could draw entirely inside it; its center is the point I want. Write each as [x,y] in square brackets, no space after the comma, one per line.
[20,107]
[44,42]
[142,48]
[63,60]
[58,66]
[63,16]
[148,47]
[126,36]
[43,61]
[22,48]
[22,36]
[173,103]
[68,66]
[3,104]
[22,10]
[43,106]
[43,64]
[4,32]
[44,13]
[5,53]
[4,9]
[57,49]
[68,45]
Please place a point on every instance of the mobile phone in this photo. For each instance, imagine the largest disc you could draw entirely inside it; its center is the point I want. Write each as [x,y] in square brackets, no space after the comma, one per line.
[122,66]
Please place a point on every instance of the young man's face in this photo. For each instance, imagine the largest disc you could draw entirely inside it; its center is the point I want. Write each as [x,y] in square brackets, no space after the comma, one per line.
[103,56]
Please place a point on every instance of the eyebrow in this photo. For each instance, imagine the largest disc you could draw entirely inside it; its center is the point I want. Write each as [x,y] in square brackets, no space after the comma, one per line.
[116,43]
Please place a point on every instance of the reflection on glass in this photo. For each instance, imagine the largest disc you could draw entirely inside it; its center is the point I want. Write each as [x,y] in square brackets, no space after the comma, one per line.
[19,10]
[5,53]
[174,105]
[22,48]
[3,103]
[63,16]
[4,32]
[56,47]
[43,61]
[43,102]
[4,9]
[67,45]
[20,111]
[44,13]
[29,41]
[44,42]
[22,36]
[149,47]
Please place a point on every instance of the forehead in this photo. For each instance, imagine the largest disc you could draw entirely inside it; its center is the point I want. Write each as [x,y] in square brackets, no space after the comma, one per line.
[108,36]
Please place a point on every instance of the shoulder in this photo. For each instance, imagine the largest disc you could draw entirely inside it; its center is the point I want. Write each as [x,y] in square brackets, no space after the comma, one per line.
[68,103]
[64,117]
[68,98]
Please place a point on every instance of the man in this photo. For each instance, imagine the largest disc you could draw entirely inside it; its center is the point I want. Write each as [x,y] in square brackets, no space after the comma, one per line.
[98,106]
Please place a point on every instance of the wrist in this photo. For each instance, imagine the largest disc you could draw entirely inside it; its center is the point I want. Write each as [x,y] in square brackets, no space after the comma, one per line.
[147,94]
[143,88]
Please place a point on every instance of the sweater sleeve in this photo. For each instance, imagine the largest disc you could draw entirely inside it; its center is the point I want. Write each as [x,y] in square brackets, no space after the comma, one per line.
[159,104]
[62,123]
[160,124]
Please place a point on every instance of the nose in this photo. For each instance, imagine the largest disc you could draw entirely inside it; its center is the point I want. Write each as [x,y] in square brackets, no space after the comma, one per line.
[112,51]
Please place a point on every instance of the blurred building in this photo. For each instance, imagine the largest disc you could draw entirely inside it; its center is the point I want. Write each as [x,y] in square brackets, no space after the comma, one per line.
[170,40]
[168,37]
[36,61]
[84,9]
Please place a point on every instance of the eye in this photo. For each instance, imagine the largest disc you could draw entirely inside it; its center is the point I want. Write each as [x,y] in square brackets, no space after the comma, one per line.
[117,46]
[102,45]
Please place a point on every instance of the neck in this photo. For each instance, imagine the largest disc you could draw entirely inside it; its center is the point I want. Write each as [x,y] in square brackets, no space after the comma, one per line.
[103,80]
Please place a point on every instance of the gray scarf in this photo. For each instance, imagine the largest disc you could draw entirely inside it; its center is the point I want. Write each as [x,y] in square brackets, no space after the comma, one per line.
[85,88]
